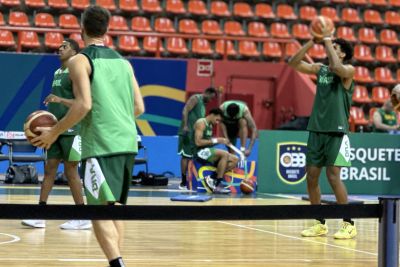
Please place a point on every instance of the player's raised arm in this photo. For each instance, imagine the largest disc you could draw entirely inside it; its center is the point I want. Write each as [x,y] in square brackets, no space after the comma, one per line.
[297,62]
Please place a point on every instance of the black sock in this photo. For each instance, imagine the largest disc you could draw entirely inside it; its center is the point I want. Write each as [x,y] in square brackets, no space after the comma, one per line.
[322,221]
[219,181]
[118,262]
[183,179]
[348,220]
[42,203]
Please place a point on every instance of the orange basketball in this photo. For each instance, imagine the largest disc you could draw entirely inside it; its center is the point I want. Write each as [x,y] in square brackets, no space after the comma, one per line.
[40,118]
[247,186]
[319,22]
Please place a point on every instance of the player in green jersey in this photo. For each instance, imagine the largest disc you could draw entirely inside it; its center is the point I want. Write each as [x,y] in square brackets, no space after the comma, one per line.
[328,145]
[385,118]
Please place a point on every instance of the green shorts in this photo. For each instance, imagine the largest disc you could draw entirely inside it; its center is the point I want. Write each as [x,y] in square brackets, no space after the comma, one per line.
[107,179]
[66,147]
[185,146]
[328,149]
[206,154]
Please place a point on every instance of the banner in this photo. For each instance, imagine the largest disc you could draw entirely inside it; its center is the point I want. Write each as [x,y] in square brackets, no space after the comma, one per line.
[375,159]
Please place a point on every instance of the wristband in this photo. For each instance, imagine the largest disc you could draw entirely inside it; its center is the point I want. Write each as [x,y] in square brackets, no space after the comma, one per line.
[242,149]
[327,38]
[214,140]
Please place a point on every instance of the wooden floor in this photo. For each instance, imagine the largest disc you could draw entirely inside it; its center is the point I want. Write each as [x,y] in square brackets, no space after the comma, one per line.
[194,243]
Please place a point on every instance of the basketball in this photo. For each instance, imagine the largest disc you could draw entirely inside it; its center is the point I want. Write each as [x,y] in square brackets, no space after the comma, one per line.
[40,118]
[318,23]
[247,186]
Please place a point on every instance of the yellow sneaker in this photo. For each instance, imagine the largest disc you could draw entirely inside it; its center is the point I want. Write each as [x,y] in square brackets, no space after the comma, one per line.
[317,229]
[346,231]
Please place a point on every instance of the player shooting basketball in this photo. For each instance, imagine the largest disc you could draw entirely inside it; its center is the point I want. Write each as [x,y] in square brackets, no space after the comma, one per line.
[328,145]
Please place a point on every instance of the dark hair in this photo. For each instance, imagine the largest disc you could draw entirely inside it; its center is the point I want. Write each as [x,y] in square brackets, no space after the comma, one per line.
[232,110]
[95,21]
[211,90]
[73,44]
[345,47]
[216,111]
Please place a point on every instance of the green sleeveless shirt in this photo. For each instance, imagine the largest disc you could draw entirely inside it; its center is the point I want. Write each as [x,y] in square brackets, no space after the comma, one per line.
[242,107]
[197,112]
[207,134]
[109,128]
[389,119]
[332,103]
[62,87]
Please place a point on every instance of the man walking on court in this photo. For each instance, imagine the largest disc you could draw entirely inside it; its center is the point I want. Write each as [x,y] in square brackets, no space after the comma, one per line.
[236,121]
[195,108]
[67,148]
[328,145]
[205,152]
[107,98]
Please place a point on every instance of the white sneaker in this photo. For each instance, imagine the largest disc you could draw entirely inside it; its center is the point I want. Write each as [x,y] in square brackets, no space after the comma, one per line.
[76,225]
[183,187]
[34,223]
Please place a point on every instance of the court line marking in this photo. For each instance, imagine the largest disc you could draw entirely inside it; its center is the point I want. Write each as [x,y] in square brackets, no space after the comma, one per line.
[14,239]
[298,238]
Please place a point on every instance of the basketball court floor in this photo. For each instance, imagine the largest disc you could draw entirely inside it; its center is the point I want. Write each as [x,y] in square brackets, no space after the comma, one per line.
[184,243]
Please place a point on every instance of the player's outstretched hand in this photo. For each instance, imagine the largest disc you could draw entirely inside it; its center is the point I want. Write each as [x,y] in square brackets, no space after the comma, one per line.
[51,99]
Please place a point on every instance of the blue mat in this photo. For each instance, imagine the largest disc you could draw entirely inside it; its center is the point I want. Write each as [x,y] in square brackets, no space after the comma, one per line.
[191,198]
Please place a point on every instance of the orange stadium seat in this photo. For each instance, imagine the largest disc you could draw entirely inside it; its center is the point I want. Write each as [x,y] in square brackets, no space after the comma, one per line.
[220,48]
[175,7]
[307,13]
[233,28]
[35,3]
[317,51]
[358,2]
[380,94]
[30,39]
[220,9]
[373,17]
[357,116]
[211,27]
[80,4]
[129,5]
[360,95]
[177,45]
[389,37]
[248,49]
[108,41]
[6,39]
[68,21]
[2,22]
[197,7]
[398,75]
[243,10]
[346,33]
[257,29]
[371,115]
[164,25]
[264,11]
[398,54]
[107,4]
[202,47]
[10,3]
[188,26]
[339,1]
[280,30]
[362,75]
[118,23]
[151,6]
[301,31]
[78,38]
[140,24]
[392,18]
[291,49]
[367,35]
[350,15]
[331,13]
[394,3]
[286,12]
[128,44]
[53,40]
[363,53]
[150,44]
[378,3]
[384,54]
[18,18]
[384,75]
[44,20]
[272,50]
[58,4]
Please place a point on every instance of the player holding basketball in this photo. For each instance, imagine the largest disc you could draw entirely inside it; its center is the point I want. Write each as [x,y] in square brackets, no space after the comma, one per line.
[204,150]
[328,145]
[236,121]
[107,98]
[195,108]
[67,147]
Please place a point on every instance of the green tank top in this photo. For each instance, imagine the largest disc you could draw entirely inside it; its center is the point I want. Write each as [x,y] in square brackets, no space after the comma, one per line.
[389,119]
[109,128]
[332,103]
[207,134]
[197,112]
[62,87]
[242,107]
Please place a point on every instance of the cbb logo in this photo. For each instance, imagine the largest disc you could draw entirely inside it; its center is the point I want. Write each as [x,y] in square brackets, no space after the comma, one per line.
[291,162]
